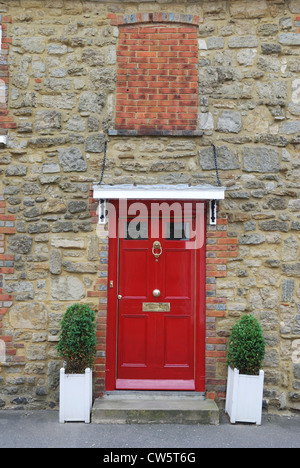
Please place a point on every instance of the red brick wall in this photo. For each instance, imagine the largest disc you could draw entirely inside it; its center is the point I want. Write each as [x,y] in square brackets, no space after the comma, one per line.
[7,226]
[157,78]
[6,122]
[220,249]
[7,221]
[100,291]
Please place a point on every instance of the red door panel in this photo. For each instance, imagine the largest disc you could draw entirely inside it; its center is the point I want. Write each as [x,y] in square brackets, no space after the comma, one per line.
[134,329]
[177,339]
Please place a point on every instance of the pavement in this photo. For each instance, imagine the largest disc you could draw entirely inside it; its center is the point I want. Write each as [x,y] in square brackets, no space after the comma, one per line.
[41,429]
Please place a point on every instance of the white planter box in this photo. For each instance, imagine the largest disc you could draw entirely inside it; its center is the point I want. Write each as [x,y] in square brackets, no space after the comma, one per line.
[75,396]
[244,396]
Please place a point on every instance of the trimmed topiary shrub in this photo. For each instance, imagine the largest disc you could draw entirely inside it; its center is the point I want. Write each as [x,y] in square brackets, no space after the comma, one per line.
[246,347]
[77,344]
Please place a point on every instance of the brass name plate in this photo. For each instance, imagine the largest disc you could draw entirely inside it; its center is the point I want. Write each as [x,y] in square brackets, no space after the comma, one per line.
[156,306]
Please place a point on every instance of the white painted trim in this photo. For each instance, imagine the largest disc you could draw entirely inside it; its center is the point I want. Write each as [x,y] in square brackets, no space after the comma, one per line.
[3,139]
[158,192]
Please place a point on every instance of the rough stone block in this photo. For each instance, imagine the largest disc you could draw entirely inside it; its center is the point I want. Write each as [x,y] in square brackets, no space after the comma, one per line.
[289,39]
[71,159]
[261,159]
[241,42]
[229,122]
[225,159]
[67,288]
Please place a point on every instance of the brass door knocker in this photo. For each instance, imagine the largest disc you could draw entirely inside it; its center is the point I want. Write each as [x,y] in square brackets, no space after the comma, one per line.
[156,246]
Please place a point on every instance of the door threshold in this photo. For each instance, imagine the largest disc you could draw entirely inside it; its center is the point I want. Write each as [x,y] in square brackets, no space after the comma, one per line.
[149,384]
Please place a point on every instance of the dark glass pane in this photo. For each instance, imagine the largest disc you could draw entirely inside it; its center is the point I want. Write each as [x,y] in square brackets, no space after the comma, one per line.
[136,230]
[177,231]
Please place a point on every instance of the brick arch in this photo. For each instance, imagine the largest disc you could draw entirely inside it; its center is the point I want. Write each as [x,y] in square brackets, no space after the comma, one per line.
[155,17]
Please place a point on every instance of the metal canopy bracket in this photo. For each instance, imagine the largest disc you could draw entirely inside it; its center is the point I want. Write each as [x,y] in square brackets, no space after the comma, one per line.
[213,212]
[102,211]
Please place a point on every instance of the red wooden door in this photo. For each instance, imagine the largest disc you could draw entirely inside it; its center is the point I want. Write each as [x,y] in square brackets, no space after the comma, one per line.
[157,305]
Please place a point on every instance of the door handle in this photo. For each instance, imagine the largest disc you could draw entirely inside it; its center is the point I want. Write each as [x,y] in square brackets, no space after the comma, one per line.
[156,293]
[119,296]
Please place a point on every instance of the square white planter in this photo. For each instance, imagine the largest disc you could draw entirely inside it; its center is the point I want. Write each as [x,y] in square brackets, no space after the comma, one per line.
[244,396]
[75,396]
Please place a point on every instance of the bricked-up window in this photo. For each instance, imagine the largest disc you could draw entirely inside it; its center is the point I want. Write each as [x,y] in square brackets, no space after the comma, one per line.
[157,87]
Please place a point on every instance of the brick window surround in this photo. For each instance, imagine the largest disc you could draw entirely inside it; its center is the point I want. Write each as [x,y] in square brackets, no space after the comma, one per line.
[6,122]
[157,82]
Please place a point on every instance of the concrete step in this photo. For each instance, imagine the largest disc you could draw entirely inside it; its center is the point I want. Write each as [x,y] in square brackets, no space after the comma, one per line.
[154,408]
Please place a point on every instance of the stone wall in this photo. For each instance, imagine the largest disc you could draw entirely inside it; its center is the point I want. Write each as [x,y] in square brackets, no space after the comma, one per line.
[62,74]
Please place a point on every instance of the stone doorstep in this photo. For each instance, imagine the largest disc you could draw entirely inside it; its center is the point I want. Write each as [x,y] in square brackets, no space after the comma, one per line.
[154,408]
